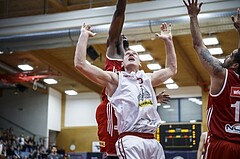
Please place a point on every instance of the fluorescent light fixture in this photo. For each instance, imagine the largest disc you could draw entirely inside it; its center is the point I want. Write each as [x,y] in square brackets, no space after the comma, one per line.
[145,57]
[221,60]
[158,104]
[25,67]
[168,81]
[1,52]
[170,110]
[71,92]
[210,41]
[163,121]
[50,81]
[172,86]
[215,51]
[137,48]
[154,66]
[166,106]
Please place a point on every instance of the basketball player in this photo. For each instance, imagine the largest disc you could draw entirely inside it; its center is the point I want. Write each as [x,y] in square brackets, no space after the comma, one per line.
[131,94]
[116,43]
[224,100]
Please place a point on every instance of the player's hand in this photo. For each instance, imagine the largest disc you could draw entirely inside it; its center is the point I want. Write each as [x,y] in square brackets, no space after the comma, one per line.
[163,98]
[165,31]
[86,29]
[192,7]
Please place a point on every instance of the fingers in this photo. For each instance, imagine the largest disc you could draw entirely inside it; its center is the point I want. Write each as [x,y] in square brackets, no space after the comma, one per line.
[185,3]
[200,5]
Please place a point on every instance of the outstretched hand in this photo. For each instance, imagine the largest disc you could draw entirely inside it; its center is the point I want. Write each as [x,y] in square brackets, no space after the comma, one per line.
[163,98]
[165,31]
[87,29]
[236,21]
[192,7]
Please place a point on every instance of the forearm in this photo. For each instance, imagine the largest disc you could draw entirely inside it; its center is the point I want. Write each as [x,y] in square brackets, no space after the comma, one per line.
[171,60]
[195,32]
[81,49]
[117,20]
[121,7]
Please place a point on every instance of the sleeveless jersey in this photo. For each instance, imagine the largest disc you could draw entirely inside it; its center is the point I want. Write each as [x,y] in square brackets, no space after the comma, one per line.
[105,117]
[224,110]
[111,65]
[135,103]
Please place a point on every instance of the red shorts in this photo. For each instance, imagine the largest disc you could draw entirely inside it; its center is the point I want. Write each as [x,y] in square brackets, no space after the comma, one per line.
[107,142]
[222,149]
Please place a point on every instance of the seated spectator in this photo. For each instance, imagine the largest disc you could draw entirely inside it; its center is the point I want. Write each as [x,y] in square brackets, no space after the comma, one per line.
[54,154]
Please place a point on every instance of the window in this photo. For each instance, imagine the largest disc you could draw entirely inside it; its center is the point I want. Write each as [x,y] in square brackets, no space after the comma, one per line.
[181,110]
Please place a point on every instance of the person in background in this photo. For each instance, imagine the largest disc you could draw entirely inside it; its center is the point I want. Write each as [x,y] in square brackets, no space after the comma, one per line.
[54,154]
[224,101]
[138,119]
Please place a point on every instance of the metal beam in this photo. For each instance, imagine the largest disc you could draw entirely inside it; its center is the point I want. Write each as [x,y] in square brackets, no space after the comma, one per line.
[103,15]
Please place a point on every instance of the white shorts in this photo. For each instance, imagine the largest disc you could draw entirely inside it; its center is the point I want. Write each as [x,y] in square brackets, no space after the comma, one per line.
[133,147]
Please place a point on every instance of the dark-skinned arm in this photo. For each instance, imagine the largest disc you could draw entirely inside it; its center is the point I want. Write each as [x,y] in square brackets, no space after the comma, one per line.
[114,35]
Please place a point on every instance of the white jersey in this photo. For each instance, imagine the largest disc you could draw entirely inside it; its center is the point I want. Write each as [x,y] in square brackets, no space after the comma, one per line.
[135,103]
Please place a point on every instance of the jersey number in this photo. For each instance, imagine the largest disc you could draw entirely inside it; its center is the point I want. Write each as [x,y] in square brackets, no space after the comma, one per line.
[237,110]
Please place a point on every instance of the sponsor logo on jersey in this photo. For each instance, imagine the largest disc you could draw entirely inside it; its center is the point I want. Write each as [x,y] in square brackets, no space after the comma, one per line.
[234,129]
[102,143]
[235,92]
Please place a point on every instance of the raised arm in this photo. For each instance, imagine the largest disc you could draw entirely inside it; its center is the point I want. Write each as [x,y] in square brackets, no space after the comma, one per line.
[114,41]
[92,72]
[170,69]
[236,24]
[213,66]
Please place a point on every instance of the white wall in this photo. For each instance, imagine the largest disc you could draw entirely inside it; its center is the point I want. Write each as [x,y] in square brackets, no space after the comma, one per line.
[27,109]
[54,110]
[80,110]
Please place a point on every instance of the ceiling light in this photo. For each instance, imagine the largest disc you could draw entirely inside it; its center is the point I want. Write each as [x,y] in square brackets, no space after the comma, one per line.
[25,67]
[210,41]
[145,57]
[50,81]
[215,51]
[168,81]
[172,86]
[154,66]
[71,92]
[137,48]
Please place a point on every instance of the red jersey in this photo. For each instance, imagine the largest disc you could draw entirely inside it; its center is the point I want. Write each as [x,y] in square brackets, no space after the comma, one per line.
[223,113]
[105,116]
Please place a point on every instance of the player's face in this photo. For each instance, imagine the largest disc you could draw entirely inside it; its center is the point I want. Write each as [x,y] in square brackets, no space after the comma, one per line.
[229,60]
[131,57]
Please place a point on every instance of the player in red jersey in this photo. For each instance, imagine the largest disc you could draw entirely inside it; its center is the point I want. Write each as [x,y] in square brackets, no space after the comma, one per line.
[107,132]
[223,111]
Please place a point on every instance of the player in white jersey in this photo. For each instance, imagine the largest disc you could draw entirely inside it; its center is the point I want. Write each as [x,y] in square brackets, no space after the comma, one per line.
[138,125]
